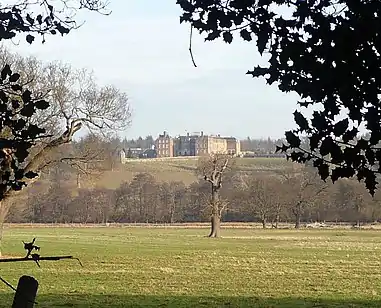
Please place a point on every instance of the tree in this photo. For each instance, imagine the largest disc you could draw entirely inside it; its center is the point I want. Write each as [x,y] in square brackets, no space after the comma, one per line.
[198,195]
[171,195]
[351,200]
[101,201]
[77,103]
[266,195]
[259,199]
[18,134]
[327,51]
[44,17]
[145,196]
[212,170]
[123,203]
[18,104]
[304,187]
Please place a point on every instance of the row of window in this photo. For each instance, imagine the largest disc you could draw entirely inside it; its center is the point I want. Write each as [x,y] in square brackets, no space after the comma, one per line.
[163,146]
[163,152]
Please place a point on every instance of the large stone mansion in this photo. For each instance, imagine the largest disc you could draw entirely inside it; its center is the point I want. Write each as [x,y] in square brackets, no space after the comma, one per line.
[196,144]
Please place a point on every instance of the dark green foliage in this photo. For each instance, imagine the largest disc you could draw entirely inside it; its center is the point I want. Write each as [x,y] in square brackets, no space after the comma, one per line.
[18,134]
[17,105]
[52,19]
[328,52]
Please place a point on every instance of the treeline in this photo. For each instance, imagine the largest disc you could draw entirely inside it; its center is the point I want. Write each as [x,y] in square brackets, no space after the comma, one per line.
[294,195]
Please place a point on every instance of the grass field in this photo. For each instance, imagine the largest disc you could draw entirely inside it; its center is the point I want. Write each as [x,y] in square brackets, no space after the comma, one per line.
[151,267]
[175,169]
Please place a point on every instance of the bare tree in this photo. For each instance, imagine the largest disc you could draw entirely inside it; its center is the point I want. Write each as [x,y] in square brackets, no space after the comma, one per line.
[212,169]
[352,199]
[303,185]
[171,196]
[198,195]
[145,197]
[77,103]
[262,198]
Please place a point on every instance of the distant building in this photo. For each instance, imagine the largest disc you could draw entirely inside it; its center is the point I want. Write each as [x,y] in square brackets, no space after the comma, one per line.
[134,152]
[164,145]
[210,145]
[217,145]
[185,145]
[196,144]
[233,146]
[148,153]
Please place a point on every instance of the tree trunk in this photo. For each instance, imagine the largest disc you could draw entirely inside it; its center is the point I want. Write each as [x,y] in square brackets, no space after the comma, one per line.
[297,220]
[215,226]
[263,220]
[1,238]
[172,213]
[276,221]
[298,213]
[78,180]
[3,214]
[215,219]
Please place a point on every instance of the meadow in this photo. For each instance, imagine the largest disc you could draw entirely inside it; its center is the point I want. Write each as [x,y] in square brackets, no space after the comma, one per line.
[180,267]
[182,169]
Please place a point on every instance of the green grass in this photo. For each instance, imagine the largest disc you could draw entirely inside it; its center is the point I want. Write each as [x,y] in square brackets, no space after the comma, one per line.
[155,267]
[182,169]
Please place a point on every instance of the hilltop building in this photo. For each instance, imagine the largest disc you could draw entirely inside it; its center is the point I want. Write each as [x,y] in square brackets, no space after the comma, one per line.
[233,146]
[164,145]
[196,144]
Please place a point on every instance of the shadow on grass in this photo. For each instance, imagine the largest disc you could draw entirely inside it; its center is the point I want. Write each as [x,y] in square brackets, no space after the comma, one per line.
[97,301]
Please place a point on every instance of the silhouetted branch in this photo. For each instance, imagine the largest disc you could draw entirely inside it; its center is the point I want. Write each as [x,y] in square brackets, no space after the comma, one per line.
[190,45]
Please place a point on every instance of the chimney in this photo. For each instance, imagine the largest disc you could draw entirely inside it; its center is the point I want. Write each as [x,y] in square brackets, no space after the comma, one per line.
[202,133]
[165,133]
[187,134]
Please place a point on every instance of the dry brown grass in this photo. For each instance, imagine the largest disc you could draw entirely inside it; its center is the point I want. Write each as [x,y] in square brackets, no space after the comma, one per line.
[175,169]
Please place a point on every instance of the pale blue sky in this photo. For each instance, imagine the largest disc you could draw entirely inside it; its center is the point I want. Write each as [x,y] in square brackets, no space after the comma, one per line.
[142,48]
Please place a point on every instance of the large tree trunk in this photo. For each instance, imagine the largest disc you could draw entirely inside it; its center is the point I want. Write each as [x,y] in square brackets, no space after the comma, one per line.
[215,226]
[216,218]
[40,160]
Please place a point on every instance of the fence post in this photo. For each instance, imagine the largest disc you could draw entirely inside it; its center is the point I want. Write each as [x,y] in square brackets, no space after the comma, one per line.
[26,292]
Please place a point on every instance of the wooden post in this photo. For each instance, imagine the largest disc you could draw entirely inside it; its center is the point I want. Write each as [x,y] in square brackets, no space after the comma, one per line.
[26,293]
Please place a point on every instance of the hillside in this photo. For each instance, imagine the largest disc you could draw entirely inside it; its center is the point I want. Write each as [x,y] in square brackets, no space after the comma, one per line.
[182,169]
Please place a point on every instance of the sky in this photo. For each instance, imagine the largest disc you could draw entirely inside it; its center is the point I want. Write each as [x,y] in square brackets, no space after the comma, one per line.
[142,48]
